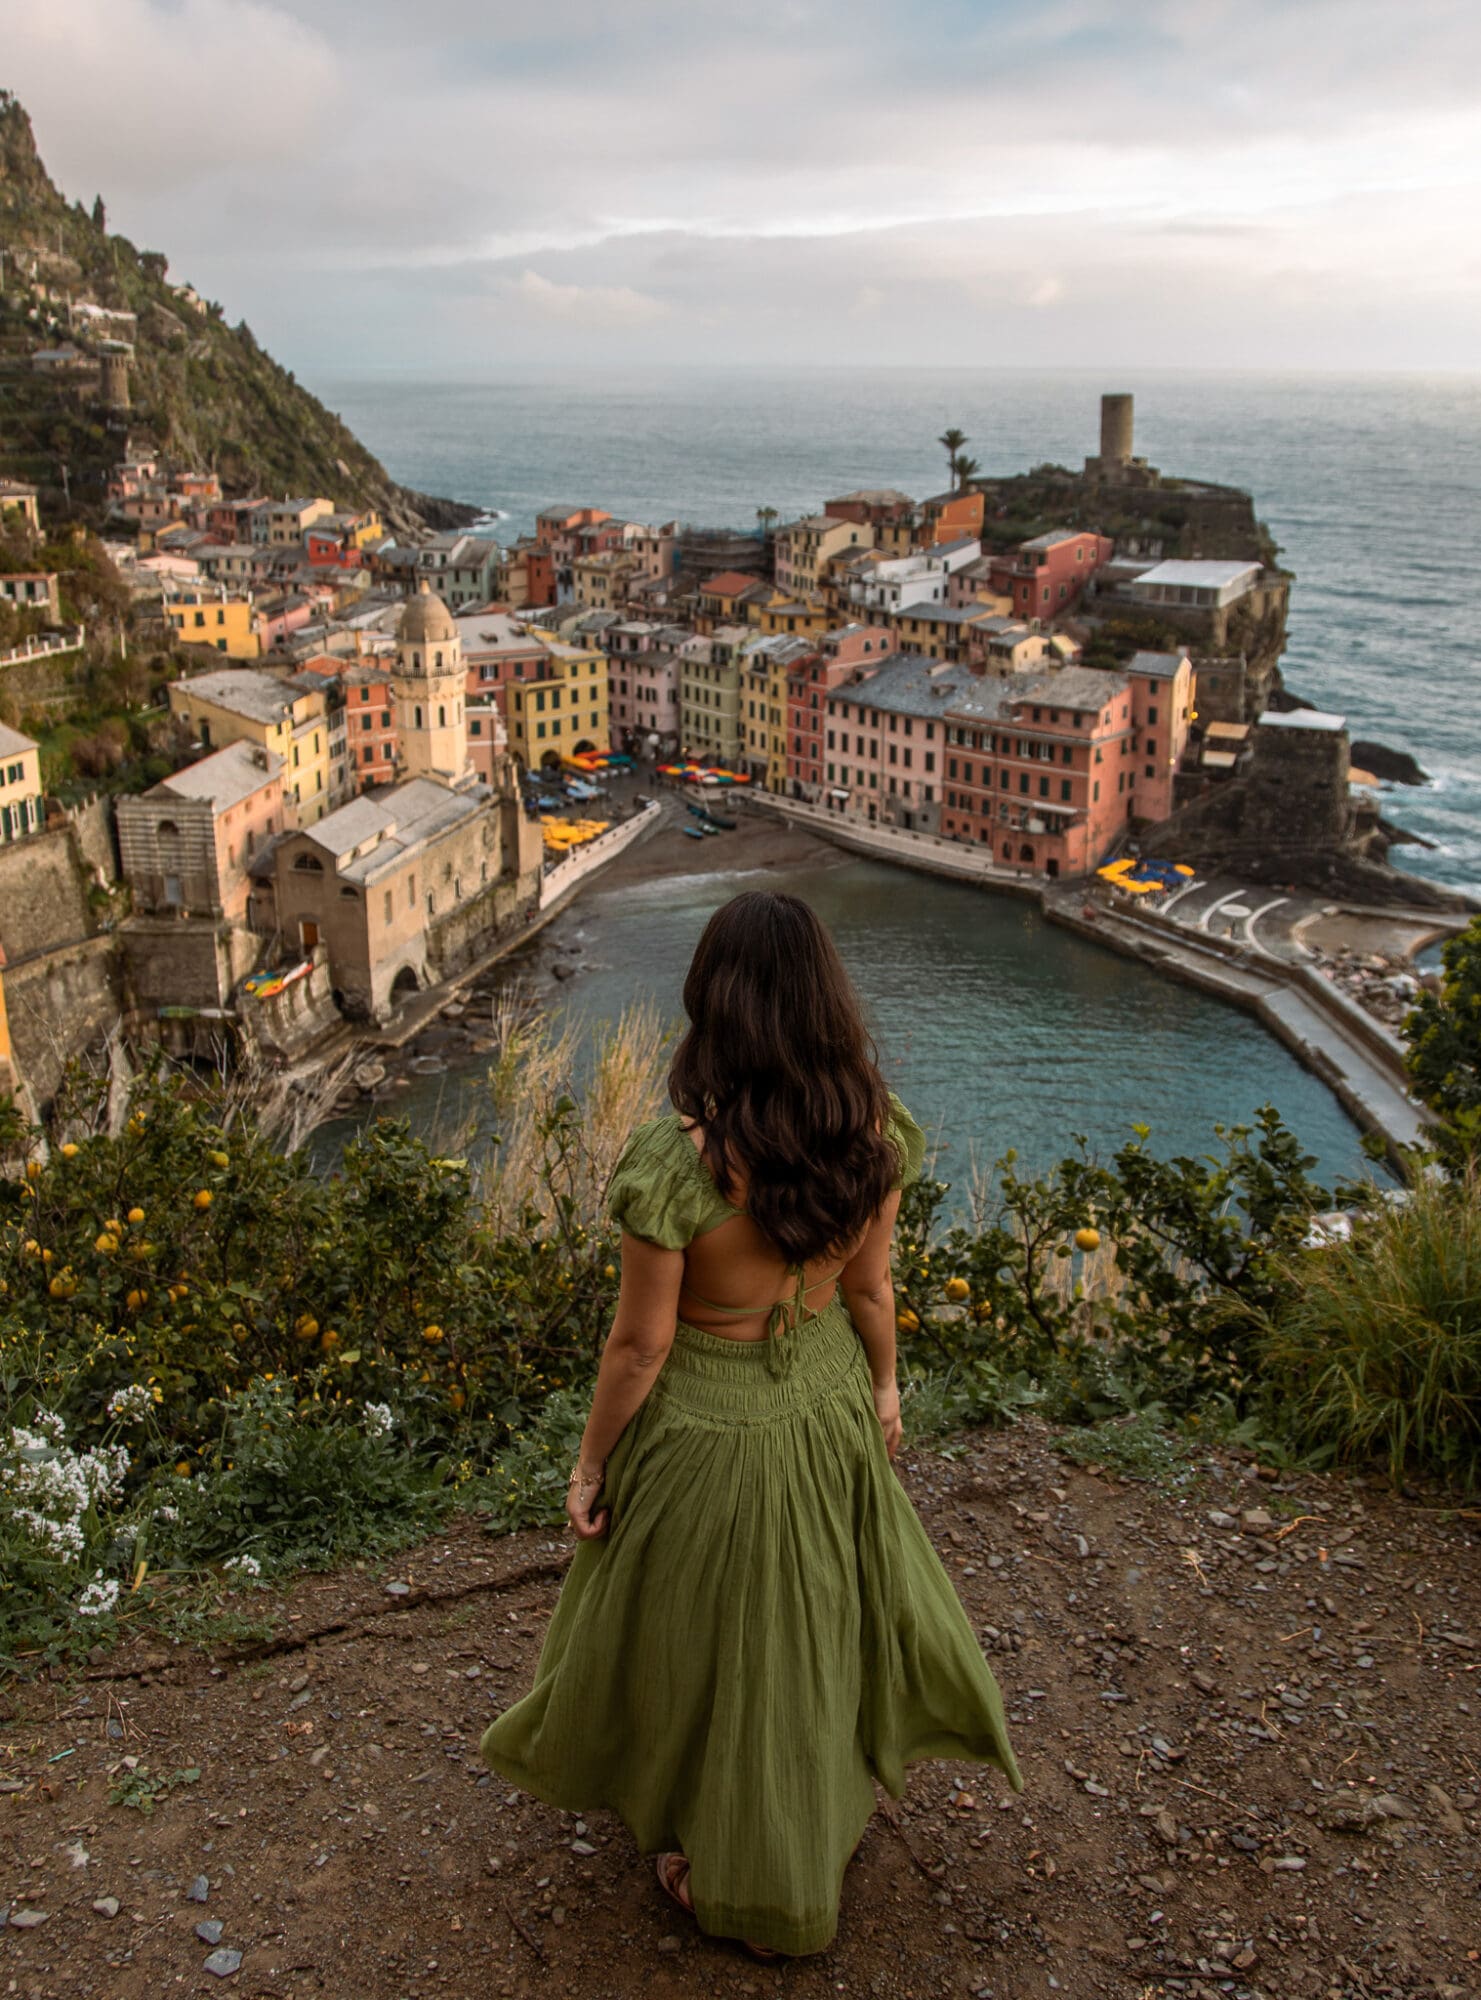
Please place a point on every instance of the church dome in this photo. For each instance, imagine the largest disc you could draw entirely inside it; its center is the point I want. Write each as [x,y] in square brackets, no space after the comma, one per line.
[426,620]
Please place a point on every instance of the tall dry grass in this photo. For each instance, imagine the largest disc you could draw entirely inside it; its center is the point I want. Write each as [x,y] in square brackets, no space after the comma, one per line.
[1376,1350]
[608,1078]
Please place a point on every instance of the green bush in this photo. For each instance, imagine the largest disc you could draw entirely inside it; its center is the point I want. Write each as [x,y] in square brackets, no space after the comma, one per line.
[1444,1036]
[1375,1353]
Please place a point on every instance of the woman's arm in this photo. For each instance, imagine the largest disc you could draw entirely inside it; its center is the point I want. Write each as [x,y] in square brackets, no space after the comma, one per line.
[636,1348]
[869,1293]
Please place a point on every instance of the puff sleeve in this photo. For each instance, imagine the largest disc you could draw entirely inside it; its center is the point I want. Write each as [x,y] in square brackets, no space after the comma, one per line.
[910,1142]
[654,1191]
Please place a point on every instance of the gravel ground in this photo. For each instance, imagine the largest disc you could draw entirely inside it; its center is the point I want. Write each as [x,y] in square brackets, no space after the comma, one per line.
[1247,1712]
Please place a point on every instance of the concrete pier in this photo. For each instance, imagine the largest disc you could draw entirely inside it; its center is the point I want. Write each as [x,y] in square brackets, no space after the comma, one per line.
[1358,1060]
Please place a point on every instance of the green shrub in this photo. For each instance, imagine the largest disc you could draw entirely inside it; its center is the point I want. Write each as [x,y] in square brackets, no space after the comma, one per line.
[1444,1036]
[1375,1353]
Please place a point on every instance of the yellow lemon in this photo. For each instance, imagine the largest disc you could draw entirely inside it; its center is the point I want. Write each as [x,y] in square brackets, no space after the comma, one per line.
[105,1243]
[329,1340]
[182,1466]
[136,1216]
[137,1299]
[202,1198]
[906,1320]
[58,1288]
[33,1170]
[609,1270]
[47,1255]
[70,1150]
[306,1326]
[431,1333]
[958,1288]
[1087,1239]
[220,1159]
[456,1398]
[32,1247]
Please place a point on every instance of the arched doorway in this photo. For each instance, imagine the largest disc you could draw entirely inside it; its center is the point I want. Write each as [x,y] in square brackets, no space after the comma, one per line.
[405,983]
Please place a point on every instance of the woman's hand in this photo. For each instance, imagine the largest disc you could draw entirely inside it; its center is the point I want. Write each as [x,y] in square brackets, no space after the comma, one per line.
[887,1409]
[582,1494]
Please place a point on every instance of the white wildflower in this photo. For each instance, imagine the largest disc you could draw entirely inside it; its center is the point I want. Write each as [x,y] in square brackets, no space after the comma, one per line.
[131,1405]
[243,1565]
[48,1487]
[378,1419]
[167,1513]
[100,1597]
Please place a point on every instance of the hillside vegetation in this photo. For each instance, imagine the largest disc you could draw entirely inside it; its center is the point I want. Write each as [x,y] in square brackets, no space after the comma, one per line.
[204,392]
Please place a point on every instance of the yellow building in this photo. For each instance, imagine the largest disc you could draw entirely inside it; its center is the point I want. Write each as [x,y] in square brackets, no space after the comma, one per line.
[602,582]
[803,548]
[763,703]
[563,708]
[245,705]
[792,619]
[216,618]
[21,808]
[15,497]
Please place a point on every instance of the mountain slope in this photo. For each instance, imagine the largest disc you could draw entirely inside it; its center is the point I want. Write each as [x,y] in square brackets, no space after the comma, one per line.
[204,392]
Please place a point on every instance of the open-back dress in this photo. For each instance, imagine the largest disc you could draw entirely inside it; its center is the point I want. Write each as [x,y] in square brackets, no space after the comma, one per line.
[765,1629]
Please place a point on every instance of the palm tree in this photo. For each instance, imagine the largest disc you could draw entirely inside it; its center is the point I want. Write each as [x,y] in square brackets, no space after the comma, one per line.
[766,515]
[951,442]
[965,468]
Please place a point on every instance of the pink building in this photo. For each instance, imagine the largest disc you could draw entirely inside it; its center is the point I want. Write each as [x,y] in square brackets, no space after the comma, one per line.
[1046,575]
[186,844]
[499,649]
[1044,773]
[1163,691]
[846,654]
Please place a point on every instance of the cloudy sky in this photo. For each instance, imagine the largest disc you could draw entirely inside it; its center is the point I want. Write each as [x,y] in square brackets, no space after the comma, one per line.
[1149,183]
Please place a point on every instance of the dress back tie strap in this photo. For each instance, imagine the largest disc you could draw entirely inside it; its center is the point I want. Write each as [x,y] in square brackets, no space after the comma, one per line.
[783,1318]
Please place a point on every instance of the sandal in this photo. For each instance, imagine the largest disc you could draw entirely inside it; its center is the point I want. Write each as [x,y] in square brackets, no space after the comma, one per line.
[673,1879]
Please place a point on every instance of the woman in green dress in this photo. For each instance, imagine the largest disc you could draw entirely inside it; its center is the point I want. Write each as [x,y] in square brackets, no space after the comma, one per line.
[755,1628]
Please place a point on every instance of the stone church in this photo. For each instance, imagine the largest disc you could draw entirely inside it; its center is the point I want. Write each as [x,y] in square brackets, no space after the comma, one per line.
[408,884]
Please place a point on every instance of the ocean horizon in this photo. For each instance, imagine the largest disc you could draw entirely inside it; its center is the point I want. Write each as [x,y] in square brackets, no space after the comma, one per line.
[1370,484]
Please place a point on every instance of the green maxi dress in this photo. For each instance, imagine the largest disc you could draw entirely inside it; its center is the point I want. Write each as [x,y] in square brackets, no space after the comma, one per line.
[765,1629]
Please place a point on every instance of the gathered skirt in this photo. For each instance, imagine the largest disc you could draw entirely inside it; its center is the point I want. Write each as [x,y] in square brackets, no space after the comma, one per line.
[764,1632]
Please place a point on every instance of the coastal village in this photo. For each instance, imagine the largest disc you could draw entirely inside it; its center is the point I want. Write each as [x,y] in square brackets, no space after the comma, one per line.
[391,753]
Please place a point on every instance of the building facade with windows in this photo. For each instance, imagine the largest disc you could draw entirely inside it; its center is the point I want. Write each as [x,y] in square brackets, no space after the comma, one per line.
[22,806]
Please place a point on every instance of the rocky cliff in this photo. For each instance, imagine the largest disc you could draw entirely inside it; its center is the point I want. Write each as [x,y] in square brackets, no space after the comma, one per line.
[202,391]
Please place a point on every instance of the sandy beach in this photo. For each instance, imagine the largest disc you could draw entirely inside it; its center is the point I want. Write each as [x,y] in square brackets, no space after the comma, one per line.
[760,839]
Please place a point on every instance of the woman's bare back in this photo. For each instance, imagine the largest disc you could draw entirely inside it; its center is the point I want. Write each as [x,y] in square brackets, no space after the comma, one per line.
[733,1265]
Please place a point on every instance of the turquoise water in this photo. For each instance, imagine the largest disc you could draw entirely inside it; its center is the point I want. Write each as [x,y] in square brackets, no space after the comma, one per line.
[1372,486]
[996,1028]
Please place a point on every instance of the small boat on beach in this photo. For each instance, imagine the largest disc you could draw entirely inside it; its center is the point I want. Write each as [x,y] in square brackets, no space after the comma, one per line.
[693,832]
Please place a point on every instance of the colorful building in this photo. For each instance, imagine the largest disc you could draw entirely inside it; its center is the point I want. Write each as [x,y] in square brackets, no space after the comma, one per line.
[1163,692]
[220,618]
[1045,576]
[804,547]
[22,806]
[246,705]
[710,694]
[186,844]
[1043,774]
[564,710]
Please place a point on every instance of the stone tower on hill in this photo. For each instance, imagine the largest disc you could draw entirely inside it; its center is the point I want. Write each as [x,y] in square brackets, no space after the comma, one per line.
[430,688]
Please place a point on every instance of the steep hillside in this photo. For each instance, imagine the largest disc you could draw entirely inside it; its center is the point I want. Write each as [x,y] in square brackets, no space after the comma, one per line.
[202,391]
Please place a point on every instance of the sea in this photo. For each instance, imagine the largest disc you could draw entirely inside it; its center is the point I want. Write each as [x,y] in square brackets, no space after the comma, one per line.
[1371,485]
[999,1031]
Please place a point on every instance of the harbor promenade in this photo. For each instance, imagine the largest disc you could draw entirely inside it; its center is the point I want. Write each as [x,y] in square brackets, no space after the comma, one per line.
[1236,941]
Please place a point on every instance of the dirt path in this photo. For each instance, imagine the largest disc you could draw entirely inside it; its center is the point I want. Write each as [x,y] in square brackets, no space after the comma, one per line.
[1248,1713]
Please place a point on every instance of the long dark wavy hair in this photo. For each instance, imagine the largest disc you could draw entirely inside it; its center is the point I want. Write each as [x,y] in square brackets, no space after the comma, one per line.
[781,1070]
